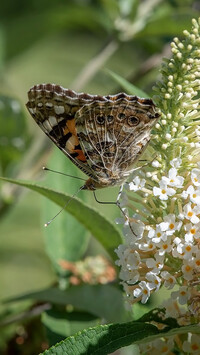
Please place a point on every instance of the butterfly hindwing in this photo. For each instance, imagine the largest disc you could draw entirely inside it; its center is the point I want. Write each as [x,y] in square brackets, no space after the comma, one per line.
[113,134]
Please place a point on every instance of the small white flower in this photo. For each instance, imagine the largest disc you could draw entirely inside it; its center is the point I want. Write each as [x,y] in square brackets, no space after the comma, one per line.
[172,308]
[197,261]
[147,245]
[142,291]
[154,281]
[194,194]
[131,277]
[176,162]
[132,259]
[187,269]
[190,214]
[183,294]
[195,176]
[155,264]
[137,184]
[192,345]
[120,253]
[163,346]
[138,229]
[164,247]
[172,225]
[175,180]
[155,164]
[193,232]
[186,250]
[163,191]
[169,279]
[157,235]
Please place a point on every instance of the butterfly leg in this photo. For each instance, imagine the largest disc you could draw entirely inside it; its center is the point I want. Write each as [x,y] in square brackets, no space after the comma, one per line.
[117,203]
[103,202]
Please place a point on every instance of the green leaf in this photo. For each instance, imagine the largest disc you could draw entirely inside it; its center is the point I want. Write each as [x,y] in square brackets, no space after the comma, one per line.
[128,87]
[103,340]
[101,228]
[72,238]
[103,301]
[60,324]
[106,339]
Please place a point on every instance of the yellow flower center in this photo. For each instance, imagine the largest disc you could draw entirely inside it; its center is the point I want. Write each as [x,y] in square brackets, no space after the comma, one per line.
[190,214]
[192,230]
[164,349]
[194,347]
[188,268]
[183,293]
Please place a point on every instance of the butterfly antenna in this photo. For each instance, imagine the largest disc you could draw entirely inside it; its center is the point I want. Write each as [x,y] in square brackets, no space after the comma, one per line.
[71,198]
[59,172]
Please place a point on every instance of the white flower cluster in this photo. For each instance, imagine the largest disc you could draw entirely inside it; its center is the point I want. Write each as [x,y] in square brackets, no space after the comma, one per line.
[162,237]
[166,346]
[160,253]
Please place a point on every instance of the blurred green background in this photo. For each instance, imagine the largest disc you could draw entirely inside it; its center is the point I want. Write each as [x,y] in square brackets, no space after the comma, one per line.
[75,44]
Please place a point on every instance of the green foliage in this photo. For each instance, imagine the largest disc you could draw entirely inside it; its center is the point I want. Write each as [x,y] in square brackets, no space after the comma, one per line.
[108,303]
[103,339]
[13,135]
[109,237]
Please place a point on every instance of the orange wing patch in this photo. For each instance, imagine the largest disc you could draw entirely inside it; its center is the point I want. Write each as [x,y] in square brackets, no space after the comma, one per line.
[72,144]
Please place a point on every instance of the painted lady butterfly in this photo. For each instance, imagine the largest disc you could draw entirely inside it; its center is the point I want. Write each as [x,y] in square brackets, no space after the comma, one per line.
[103,135]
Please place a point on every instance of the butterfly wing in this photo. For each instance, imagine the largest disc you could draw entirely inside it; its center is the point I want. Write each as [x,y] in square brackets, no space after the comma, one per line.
[54,109]
[114,133]
[102,135]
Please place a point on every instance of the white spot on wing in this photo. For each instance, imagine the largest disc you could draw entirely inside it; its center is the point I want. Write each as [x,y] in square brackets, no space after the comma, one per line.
[49,104]
[40,104]
[32,110]
[59,110]
[47,126]
[52,120]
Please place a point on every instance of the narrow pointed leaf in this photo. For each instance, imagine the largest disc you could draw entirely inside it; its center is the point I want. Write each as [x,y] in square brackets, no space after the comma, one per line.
[101,228]
[105,339]
[103,301]
[127,86]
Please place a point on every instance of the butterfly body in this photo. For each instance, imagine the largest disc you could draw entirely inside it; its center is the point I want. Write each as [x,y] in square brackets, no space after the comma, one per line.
[103,135]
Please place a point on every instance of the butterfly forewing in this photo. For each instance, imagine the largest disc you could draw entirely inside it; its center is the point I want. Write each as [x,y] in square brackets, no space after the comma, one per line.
[54,108]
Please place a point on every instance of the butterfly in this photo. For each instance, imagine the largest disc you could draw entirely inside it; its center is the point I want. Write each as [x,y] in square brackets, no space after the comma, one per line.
[103,135]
